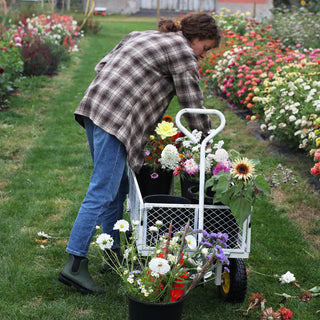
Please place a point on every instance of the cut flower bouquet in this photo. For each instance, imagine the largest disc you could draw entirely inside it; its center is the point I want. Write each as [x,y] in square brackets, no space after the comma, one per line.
[190,156]
[160,151]
[230,177]
[175,264]
[236,182]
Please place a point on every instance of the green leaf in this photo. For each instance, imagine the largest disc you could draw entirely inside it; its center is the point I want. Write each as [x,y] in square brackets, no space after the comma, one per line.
[284,295]
[241,208]
[315,289]
[261,184]
[222,185]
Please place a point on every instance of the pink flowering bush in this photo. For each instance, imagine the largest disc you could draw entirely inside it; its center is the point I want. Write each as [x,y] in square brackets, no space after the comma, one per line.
[46,42]
[35,46]
[315,170]
[55,30]
[11,64]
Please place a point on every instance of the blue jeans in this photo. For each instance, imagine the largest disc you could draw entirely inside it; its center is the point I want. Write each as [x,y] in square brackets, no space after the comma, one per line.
[108,187]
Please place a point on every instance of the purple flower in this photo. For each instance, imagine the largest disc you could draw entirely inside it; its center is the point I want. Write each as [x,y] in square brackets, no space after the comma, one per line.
[220,167]
[223,236]
[220,255]
[204,232]
[154,175]
[222,258]
[207,244]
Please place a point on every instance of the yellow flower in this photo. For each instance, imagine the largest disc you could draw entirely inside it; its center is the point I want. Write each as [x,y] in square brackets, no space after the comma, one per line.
[166,129]
[318,142]
[243,169]
[303,3]
[312,152]
[152,137]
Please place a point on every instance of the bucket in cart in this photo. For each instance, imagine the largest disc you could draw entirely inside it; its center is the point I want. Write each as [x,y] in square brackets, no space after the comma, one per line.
[149,185]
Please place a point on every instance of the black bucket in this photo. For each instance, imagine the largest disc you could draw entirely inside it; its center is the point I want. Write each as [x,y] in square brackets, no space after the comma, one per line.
[141,310]
[192,194]
[149,186]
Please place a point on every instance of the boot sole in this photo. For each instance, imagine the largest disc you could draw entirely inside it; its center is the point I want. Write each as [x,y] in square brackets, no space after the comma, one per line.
[70,283]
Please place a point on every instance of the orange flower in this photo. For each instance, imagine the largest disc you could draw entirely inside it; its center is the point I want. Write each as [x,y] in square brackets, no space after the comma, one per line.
[167,118]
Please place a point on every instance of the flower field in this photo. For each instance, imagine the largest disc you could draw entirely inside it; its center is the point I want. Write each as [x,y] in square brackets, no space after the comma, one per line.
[279,87]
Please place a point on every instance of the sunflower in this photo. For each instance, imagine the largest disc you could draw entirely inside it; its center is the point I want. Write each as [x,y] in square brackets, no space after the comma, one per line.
[243,169]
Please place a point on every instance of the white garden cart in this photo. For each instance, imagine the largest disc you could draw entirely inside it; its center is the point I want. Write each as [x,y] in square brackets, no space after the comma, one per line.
[212,218]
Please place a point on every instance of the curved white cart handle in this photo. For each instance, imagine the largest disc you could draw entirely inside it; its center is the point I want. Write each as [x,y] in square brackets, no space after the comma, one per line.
[211,134]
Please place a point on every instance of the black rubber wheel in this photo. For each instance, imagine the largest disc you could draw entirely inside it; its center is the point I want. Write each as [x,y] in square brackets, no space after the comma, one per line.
[234,283]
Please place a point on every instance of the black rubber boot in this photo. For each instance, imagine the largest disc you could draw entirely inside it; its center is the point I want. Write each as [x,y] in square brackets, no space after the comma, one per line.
[112,259]
[75,273]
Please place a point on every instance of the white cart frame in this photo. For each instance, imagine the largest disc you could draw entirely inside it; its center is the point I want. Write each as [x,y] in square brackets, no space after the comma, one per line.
[212,218]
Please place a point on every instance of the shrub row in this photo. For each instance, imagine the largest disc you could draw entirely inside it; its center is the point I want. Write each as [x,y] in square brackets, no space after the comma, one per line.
[35,46]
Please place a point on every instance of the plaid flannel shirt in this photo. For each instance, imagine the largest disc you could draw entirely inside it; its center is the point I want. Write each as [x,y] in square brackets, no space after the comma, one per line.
[134,85]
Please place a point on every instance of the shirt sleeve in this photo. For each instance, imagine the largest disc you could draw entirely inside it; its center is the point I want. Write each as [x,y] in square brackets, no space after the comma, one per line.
[189,95]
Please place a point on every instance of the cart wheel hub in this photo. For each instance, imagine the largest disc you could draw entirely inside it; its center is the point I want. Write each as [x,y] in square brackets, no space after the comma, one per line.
[226,282]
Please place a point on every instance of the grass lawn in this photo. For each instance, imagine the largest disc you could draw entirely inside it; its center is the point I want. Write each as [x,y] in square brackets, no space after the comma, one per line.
[45,167]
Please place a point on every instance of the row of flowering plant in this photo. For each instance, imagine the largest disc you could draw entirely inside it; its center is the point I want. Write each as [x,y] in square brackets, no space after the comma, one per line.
[35,46]
[174,265]
[277,85]
[11,65]
[315,170]
[55,29]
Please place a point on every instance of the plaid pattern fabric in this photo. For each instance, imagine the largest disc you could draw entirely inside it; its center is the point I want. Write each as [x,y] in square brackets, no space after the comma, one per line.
[134,85]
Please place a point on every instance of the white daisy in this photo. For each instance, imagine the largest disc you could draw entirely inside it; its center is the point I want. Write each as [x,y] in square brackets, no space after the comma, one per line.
[104,241]
[159,265]
[287,278]
[121,225]
[153,229]
[191,241]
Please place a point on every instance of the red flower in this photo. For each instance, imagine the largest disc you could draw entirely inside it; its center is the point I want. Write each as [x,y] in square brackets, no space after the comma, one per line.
[286,314]
[316,169]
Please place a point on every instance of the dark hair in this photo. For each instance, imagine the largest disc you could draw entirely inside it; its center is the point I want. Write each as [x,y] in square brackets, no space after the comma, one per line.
[195,25]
